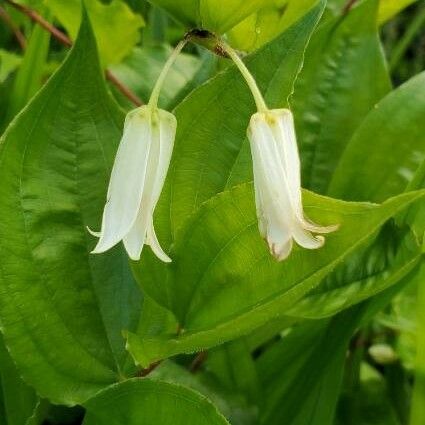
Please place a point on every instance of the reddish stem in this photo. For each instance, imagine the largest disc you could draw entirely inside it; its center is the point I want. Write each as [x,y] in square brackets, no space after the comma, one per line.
[348,6]
[16,31]
[198,361]
[149,369]
[64,39]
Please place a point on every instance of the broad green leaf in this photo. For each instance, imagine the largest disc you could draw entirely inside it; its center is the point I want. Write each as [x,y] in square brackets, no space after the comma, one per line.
[390,8]
[344,75]
[394,254]
[235,285]
[230,403]
[388,259]
[234,367]
[62,310]
[116,26]
[387,8]
[301,374]
[368,403]
[145,402]
[267,23]
[212,153]
[209,65]
[375,171]
[401,318]
[217,16]
[8,63]
[140,70]
[18,399]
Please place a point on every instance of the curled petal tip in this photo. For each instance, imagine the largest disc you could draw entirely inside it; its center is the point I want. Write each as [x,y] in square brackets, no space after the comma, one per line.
[325,229]
[92,232]
[321,241]
[167,259]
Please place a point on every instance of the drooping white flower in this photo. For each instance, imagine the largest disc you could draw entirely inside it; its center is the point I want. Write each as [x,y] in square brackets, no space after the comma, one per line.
[136,182]
[138,175]
[277,182]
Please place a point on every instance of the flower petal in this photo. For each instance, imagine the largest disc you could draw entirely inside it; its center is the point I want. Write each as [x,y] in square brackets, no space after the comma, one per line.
[152,240]
[167,134]
[281,251]
[283,129]
[127,179]
[162,140]
[272,200]
[306,239]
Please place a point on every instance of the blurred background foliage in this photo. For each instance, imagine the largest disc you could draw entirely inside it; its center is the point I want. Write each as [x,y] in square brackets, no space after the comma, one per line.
[133,35]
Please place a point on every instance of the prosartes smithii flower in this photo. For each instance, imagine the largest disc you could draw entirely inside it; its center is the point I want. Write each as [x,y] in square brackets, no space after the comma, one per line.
[277,182]
[136,182]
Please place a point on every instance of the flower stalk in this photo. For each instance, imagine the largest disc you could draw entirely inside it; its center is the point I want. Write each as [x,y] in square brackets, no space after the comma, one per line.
[153,101]
[258,97]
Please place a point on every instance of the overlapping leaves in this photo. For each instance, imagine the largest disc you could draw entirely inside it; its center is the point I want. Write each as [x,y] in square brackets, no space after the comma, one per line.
[62,310]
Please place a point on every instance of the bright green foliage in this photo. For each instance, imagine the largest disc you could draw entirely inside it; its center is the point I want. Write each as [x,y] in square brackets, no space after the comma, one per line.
[115,25]
[213,15]
[389,8]
[228,399]
[141,68]
[388,128]
[305,392]
[236,285]
[275,342]
[29,77]
[17,400]
[138,401]
[343,78]
[267,23]
[62,310]
[8,63]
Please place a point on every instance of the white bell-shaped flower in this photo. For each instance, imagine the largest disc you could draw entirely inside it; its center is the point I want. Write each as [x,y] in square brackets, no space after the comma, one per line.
[136,182]
[138,175]
[277,182]
[277,175]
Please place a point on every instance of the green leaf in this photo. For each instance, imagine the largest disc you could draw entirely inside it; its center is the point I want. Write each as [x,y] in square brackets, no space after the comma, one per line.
[8,63]
[213,15]
[28,79]
[230,403]
[116,26]
[388,259]
[62,310]
[233,365]
[418,409]
[140,70]
[343,77]
[236,286]
[139,402]
[375,171]
[19,400]
[387,8]
[267,23]
[368,404]
[390,8]
[302,373]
